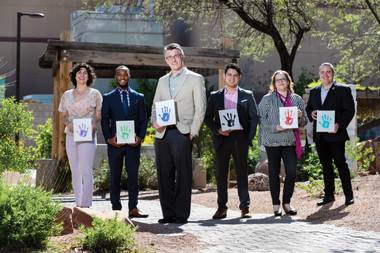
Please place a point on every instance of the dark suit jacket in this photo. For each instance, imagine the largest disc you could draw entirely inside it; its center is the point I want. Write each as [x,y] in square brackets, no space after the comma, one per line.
[338,99]
[112,111]
[247,112]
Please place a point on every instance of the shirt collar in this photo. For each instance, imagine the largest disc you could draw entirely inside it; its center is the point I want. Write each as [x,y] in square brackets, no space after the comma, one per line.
[180,73]
[328,87]
[121,90]
[231,92]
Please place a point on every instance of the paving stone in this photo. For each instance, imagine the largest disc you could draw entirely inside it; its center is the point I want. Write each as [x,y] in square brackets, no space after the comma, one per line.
[261,233]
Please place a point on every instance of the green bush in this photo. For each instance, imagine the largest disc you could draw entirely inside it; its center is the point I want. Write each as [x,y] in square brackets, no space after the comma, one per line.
[311,166]
[44,139]
[147,175]
[362,154]
[315,187]
[15,119]
[304,79]
[27,217]
[108,236]
[253,155]
[101,177]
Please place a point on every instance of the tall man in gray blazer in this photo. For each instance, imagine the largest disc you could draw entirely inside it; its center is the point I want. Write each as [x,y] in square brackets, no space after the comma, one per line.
[173,143]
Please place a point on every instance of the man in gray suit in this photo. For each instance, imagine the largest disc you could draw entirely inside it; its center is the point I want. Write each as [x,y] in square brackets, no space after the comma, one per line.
[173,143]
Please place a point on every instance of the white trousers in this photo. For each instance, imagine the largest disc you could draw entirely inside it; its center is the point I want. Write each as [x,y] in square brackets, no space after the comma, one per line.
[81,159]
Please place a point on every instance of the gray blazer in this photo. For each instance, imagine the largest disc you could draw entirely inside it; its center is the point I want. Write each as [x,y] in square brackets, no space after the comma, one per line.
[190,102]
[269,114]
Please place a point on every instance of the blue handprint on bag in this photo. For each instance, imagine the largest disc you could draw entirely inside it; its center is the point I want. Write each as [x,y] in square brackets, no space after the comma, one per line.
[83,129]
[325,121]
[165,114]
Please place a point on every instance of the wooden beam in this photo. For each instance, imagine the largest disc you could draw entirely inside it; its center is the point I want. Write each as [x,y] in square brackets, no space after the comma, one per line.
[61,84]
[140,59]
[117,48]
[114,54]
[220,78]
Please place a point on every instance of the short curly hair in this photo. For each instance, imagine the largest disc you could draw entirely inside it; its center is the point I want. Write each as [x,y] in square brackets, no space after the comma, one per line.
[90,72]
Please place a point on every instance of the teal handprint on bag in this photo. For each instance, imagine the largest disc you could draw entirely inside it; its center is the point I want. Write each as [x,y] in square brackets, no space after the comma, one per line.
[325,121]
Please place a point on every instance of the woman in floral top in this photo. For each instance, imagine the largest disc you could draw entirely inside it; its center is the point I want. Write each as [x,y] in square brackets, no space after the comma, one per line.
[79,103]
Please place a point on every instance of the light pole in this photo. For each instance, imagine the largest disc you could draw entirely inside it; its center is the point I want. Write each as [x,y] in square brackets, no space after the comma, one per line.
[19,15]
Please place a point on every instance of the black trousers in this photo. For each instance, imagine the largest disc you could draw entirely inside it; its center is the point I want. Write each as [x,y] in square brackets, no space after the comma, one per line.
[174,173]
[236,145]
[327,152]
[289,156]
[131,158]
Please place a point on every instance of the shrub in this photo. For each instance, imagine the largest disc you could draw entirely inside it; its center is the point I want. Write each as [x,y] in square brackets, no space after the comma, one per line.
[108,236]
[363,154]
[147,173]
[15,119]
[44,139]
[312,168]
[315,187]
[253,155]
[27,217]
[101,177]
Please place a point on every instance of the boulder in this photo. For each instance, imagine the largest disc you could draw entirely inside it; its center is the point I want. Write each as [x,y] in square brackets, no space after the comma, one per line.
[262,167]
[258,182]
[65,217]
[85,216]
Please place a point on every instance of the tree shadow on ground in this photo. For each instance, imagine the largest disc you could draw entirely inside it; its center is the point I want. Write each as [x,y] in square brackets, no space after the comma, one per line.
[325,213]
[285,219]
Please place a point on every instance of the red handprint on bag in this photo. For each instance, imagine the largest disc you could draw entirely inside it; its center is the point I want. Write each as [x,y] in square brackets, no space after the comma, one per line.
[289,117]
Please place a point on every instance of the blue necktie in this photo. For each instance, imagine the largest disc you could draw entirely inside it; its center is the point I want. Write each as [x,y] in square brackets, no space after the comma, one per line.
[125,102]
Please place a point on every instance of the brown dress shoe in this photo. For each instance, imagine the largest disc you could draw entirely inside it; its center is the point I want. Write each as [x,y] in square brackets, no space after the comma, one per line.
[136,213]
[221,213]
[245,212]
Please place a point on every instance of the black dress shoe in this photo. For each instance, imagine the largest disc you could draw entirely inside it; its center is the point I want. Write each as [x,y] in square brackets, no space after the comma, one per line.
[221,213]
[276,210]
[289,210]
[166,220]
[180,221]
[349,201]
[325,201]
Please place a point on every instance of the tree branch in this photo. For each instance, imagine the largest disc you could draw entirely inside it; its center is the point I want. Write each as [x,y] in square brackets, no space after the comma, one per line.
[372,9]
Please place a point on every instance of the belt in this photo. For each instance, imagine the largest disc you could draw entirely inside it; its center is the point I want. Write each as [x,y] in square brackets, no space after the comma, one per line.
[171,127]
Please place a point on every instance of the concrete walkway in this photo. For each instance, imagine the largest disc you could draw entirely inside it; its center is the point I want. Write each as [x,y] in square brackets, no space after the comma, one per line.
[261,233]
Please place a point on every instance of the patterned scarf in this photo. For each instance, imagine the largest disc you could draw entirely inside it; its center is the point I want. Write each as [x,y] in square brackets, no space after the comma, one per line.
[287,102]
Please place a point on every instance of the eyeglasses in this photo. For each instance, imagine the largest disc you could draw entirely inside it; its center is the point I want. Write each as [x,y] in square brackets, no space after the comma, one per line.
[281,80]
[171,57]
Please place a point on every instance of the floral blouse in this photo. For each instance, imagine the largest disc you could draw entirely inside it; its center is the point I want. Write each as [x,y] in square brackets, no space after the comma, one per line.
[81,105]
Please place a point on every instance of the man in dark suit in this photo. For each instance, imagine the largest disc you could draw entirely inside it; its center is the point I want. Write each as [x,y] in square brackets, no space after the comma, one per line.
[123,103]
[236,142]
[331,146]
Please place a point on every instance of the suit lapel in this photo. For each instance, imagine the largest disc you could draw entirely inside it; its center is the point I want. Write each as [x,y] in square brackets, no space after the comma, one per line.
[318,96]
[220,100]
